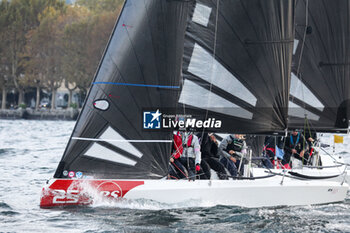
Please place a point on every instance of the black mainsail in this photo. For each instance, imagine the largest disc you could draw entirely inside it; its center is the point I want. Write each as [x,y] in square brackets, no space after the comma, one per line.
[320,83]
[237,63]
[235,55]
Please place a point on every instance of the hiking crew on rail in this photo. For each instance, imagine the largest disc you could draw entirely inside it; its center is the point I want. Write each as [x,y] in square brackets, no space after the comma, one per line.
[193,156]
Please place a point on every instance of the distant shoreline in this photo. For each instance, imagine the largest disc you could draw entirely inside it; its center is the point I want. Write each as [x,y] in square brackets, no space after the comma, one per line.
[42,114]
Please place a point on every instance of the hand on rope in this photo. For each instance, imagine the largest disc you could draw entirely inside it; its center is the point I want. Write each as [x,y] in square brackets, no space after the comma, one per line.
[233,159]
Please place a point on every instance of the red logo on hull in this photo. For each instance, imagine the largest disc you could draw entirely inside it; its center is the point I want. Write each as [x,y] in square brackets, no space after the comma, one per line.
[110,189]
[76,192]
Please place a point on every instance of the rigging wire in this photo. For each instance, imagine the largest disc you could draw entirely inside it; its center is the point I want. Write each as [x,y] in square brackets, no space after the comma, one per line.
[212,64]
[304,36]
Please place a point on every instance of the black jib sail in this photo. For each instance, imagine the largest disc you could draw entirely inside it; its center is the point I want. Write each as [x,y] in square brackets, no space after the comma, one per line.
[140,69]
[236,63]
[158,57]
[320,83]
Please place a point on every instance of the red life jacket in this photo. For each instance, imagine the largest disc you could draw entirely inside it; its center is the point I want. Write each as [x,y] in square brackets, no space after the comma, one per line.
[272,149]
[178,145]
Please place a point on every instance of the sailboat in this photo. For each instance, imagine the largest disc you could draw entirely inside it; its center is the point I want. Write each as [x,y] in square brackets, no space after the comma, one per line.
[224,65]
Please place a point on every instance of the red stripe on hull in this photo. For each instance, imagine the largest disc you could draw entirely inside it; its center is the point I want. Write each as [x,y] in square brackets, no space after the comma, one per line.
[64,192]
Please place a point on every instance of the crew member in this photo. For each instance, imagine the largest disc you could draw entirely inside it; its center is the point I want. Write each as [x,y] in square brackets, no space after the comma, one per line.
[232,150]
[296,147]
[273,149]
[186,154]
[209,150]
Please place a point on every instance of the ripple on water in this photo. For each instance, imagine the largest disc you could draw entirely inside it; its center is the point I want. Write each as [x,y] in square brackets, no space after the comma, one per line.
[3,205]
[7,151]
[8,213]
[161,217]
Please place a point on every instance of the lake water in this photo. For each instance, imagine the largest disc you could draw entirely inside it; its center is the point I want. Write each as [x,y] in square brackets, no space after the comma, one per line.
[30,152]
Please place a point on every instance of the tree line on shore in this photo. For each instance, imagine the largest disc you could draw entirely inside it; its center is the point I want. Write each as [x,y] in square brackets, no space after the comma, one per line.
[45,44]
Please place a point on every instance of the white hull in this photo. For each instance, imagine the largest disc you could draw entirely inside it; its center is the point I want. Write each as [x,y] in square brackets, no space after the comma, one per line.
[257,193]
[266,192]
[246,193]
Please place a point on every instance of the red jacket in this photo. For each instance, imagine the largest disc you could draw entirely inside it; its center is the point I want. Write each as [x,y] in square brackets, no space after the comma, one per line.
[178,146]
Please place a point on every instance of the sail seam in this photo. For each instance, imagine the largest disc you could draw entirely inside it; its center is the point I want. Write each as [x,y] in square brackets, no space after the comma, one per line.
[117,140]
[138,85]
[247,41]
[333,64]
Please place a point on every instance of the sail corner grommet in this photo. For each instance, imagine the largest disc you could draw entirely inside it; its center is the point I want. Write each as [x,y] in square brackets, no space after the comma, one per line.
[101,104]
